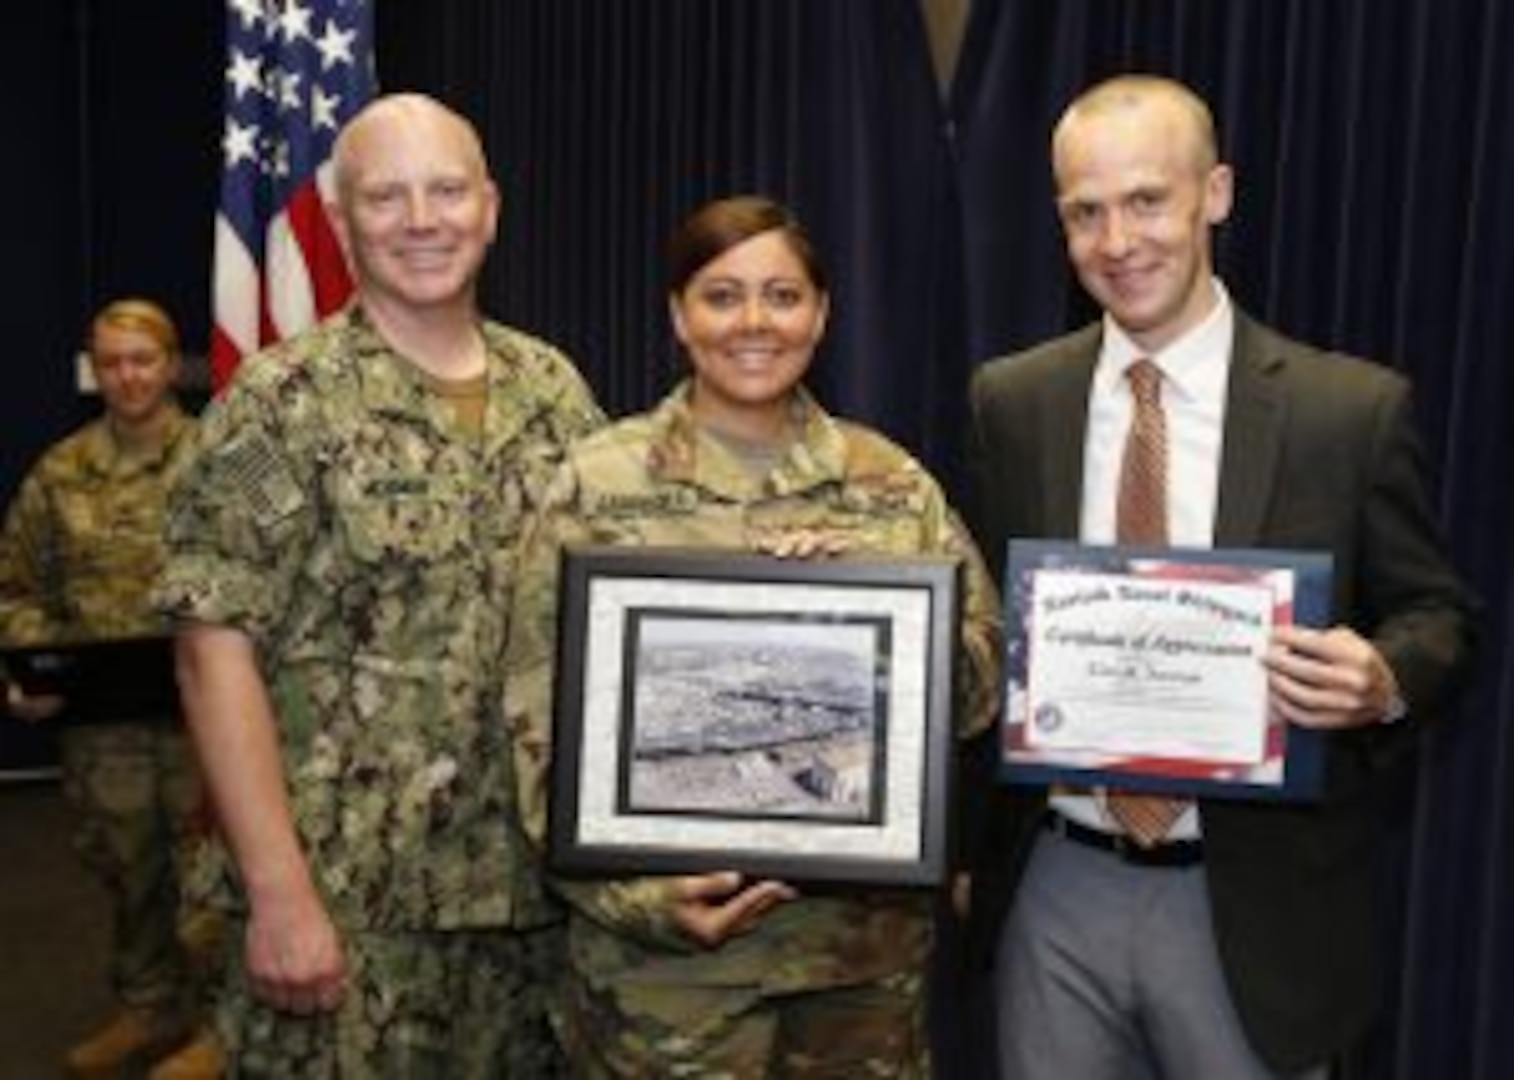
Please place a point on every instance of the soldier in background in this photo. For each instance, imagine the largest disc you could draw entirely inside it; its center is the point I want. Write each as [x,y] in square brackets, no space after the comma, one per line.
[81,550]
[341,560]
[714,975]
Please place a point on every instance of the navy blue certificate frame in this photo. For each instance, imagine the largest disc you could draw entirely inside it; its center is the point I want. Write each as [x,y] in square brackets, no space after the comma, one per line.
[1294,767]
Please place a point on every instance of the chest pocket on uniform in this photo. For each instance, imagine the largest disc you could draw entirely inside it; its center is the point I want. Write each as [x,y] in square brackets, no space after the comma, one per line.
[105,530]
[402,517]
[81,521]
[881,504]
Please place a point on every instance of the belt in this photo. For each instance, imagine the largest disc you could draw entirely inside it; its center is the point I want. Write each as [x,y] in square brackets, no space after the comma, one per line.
[1176,854]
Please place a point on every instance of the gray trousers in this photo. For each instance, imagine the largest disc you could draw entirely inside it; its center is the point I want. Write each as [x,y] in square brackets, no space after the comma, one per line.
[1108,971]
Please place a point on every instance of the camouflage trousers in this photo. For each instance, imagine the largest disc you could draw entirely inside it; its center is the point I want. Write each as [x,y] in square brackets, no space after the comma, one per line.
[456,1005]
[644,1029]
[140,827]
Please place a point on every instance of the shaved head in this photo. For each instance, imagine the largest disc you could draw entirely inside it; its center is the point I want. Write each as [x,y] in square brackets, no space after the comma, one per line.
[394,115]
[414,209]
[1181,110]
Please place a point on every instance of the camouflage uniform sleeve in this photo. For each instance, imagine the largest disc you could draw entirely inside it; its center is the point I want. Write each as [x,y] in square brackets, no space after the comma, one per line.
[978,702]
[982,634]
[634,907]
[580,412]
[530,654]
[29,568]
[238,518]
[938,530]
[571,408]
[981,652]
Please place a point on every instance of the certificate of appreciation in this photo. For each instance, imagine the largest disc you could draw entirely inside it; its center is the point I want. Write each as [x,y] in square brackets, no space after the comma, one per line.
[1142,668]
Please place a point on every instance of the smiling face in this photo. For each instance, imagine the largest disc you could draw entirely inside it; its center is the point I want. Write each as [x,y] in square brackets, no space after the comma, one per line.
[750,319]
[135,370]
[416,210]
[1138,191]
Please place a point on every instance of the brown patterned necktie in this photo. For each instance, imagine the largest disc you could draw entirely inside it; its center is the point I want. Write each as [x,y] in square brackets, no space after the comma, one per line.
[1141,518]
[1141,513]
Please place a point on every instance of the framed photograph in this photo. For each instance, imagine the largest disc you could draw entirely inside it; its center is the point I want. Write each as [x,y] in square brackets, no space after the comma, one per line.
[1141,668]
[786,718]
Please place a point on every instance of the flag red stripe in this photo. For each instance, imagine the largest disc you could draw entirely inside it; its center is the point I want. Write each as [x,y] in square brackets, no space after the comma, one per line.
[323,255]
[224,357]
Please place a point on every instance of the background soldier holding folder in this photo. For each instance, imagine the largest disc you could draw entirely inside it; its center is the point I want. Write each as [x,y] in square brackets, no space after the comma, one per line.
[81,550]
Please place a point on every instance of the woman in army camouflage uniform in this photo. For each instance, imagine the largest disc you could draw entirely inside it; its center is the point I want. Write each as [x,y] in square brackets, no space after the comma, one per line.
[82,548]
[715,975]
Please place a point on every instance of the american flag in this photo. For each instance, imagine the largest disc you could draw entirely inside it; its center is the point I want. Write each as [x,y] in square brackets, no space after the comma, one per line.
[296,71]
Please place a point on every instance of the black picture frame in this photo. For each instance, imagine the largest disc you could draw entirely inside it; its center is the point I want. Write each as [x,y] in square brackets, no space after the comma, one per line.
[784,718]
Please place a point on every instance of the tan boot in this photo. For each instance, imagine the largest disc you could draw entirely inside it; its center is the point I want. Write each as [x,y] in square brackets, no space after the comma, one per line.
[133,1035]
[199,1059]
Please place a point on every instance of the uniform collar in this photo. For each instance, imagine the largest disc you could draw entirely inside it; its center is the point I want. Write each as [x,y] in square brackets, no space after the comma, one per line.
[392,385]
[104,454]
[678,453]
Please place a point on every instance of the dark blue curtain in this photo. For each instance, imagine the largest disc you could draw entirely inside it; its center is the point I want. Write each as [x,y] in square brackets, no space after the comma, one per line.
[1369,136]
[609,122]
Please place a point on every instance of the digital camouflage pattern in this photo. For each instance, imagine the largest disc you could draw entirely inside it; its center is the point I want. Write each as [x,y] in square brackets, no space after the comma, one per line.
[645,1024]
[81,549]
[642,999]
[83,540]
[366,543]
[421,1006]
[140,827]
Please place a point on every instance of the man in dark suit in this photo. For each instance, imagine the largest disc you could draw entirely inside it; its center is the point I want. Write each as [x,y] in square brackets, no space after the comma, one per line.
[1238,942]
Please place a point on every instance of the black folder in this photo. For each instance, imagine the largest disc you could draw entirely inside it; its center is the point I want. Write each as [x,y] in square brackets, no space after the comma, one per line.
[128,679]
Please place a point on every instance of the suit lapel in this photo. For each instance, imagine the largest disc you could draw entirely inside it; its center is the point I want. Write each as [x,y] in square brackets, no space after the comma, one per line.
[1254,418]
[1064,419]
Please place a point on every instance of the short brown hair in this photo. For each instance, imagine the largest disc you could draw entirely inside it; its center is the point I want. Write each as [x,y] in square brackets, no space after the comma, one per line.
[718,226]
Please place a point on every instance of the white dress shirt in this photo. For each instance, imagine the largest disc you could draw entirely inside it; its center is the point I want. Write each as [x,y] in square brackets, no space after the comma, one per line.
[1195,372]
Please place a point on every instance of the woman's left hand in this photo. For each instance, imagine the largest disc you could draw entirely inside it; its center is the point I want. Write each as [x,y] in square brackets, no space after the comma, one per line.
[713,908]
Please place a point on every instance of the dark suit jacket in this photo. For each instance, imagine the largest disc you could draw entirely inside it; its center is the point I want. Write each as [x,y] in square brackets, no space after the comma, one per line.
[1319,453]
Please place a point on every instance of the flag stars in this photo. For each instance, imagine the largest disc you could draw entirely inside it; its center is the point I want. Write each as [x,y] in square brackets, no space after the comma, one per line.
[294,22]
[276,159]
[238,143]
[335,45]
[324,109]
[284,89]
[250,12]
[244,73]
